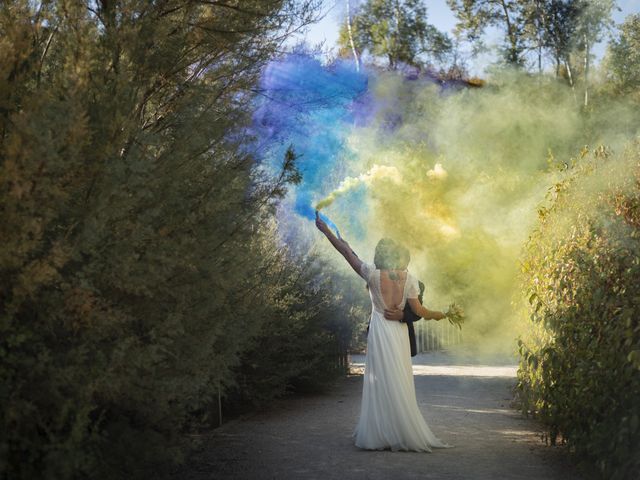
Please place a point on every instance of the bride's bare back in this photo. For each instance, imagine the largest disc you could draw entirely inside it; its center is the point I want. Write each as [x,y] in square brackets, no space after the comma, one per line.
[392,290]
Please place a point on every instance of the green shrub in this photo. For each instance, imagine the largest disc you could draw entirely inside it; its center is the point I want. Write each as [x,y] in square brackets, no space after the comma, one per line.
[310,325]
[133,224]
[580,363]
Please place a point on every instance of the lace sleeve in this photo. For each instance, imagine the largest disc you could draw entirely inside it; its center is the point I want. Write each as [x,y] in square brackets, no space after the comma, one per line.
[365,271]
[413,290]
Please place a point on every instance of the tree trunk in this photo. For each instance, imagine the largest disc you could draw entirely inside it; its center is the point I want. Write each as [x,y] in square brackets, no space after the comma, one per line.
[539,59]
[573,90]
[395,44]
[586,71]
[539,26]
[513,40]
[353,45]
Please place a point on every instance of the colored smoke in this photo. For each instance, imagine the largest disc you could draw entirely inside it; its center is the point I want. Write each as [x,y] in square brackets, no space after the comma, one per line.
[376,174]
[456,174]
[312,107]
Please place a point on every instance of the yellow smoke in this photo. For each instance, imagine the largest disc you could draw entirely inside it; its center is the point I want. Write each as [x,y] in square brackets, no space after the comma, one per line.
[375,174]
[437,172]
[469,171]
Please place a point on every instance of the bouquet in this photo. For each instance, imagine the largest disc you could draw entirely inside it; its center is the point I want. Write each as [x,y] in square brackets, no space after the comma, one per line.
[455,315]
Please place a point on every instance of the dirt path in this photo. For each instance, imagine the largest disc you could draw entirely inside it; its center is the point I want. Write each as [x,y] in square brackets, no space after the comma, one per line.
[309,437]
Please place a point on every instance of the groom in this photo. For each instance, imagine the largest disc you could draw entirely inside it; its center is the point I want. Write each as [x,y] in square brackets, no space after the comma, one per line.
[407,315]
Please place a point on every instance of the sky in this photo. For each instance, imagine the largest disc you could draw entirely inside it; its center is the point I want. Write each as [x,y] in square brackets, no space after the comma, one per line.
[440,15]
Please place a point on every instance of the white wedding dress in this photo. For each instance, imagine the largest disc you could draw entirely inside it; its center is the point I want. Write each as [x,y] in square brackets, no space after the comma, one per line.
[389,416]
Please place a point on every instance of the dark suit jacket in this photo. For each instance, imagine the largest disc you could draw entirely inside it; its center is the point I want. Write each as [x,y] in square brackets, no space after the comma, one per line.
[409,318]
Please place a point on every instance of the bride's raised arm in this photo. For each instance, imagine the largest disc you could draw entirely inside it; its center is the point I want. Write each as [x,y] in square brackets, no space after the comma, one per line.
[340,245]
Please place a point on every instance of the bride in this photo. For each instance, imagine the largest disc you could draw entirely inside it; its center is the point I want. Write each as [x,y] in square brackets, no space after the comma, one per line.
[389,414]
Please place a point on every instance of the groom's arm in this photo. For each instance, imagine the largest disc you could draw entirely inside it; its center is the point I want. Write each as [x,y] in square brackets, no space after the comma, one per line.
[409,314]
[394,314]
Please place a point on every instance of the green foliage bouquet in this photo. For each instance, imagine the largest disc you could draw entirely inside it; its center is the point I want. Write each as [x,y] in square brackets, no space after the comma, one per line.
[455,315]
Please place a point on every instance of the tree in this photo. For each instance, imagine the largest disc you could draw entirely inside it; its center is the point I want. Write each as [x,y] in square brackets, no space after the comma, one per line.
[134,224]
[559,27]
[396,30]
[572,27]
[349,33]
[456,67]
[474,16]
[594,22]
[535,18]
[623,57]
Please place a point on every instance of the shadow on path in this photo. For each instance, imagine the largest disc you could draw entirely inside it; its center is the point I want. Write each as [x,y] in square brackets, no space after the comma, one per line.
[309,437]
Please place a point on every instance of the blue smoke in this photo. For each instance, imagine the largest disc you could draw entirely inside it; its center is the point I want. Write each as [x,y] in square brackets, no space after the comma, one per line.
[312,107]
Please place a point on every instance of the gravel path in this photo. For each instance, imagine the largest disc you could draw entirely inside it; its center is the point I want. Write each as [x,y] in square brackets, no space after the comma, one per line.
[309,437]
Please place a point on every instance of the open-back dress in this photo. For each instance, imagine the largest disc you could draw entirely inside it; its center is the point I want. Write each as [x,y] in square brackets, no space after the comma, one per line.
[389,416]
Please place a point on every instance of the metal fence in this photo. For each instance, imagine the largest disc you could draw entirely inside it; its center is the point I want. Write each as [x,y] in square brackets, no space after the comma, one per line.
[432,336]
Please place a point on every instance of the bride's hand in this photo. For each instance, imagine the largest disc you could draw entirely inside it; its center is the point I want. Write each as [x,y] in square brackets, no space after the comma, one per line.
[455,315]
[393,314]
[322,226]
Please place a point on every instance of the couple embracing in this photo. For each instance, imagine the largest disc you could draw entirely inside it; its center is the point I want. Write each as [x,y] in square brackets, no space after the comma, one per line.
[389,416]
